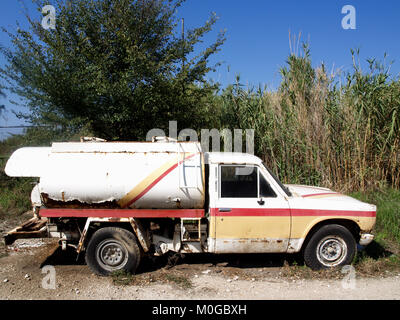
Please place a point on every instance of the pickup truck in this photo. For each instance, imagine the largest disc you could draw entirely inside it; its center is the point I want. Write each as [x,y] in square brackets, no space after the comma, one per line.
[117,201]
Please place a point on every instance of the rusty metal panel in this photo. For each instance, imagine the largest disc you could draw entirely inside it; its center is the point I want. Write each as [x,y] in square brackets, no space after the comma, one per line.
[140,234]
[136,226]
[246,245]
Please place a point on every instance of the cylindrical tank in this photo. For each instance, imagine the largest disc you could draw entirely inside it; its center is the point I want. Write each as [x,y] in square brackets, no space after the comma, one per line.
[159,175]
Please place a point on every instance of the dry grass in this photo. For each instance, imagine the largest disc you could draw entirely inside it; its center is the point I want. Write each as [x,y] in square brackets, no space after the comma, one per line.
[333,130]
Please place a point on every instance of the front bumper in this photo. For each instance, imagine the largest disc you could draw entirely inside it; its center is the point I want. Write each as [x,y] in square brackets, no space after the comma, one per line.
[366,239]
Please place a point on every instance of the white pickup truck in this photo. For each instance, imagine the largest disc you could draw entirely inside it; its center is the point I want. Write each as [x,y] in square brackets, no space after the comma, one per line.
[118,201]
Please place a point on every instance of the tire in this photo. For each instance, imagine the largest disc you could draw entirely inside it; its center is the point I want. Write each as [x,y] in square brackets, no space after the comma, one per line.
[331,246]
[112,249]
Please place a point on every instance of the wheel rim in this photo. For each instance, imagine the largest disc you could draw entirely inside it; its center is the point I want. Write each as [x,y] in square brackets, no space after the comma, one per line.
[111,255]
[331,251]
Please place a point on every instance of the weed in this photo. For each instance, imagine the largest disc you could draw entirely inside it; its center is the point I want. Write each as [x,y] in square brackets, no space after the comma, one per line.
[122,278]
[181,281]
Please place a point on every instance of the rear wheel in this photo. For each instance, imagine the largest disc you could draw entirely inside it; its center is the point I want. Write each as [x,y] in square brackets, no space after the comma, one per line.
[112,249]
[331,246]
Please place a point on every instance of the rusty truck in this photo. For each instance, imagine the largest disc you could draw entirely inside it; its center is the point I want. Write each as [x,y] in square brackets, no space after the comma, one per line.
[115,202]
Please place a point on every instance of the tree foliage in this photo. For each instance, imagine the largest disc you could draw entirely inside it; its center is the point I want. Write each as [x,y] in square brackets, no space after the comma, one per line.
[117,67]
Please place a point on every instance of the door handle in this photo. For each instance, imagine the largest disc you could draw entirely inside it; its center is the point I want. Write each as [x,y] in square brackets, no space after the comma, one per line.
[224,209]
[261,202]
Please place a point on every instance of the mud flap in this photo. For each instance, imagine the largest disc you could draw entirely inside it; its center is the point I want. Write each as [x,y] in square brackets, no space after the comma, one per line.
[33,228]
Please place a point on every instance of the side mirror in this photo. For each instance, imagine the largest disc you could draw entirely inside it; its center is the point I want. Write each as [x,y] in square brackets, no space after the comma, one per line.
[261,202]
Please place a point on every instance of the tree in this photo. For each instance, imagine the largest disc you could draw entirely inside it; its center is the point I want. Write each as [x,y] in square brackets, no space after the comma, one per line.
[117,67]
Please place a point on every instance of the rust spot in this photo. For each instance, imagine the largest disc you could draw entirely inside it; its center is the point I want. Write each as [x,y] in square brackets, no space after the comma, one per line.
[76,204]
[81,241]
[186,248]
[178,204]
[113,219]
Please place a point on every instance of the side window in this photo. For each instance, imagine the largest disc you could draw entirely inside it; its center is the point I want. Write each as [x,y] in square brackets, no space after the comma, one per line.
[239,182]
[265,189]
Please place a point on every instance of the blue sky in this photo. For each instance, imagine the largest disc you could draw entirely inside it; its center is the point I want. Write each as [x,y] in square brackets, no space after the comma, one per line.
[257,33]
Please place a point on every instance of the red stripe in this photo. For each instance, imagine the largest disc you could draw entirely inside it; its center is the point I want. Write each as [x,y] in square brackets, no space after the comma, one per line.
[122,213]
[196,213]
[319,194]
[318,212]
[238,212]
[280,212]
[157,180]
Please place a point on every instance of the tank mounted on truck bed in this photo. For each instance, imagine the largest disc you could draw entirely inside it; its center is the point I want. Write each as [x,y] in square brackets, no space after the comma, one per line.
[117,201]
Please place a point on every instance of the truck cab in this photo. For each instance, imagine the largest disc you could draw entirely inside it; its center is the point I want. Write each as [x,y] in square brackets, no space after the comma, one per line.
[251,211]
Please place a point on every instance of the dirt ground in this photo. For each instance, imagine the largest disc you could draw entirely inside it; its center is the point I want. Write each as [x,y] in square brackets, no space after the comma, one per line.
[255,277]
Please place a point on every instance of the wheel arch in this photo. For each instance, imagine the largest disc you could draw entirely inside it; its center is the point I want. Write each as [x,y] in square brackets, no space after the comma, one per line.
[129,224]
[349,224]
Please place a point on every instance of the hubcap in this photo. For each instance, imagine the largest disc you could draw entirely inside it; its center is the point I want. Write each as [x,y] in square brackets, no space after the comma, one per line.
[331,251]
[111,254]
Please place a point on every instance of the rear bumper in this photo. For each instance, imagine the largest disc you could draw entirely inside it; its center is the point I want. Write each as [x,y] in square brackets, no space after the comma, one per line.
[366,239]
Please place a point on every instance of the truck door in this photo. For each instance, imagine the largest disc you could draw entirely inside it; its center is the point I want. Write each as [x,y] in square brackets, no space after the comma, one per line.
[250,215]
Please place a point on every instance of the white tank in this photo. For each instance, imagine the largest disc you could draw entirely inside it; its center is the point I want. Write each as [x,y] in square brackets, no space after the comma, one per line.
[158,175]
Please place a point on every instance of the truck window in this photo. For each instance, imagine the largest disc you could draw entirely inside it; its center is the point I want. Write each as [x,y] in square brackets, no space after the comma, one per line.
[265,189]
[239,181]
[284,188]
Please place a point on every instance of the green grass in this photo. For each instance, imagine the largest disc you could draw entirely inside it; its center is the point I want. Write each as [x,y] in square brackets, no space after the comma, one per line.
[388,213]
[122,278]
[180,281]
[382,256]
[14,193]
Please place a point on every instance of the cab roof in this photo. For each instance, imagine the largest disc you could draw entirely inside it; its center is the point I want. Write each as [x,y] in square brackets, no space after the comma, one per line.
[232,158]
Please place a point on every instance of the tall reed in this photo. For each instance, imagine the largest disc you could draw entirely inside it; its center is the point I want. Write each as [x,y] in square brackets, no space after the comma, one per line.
[335,130]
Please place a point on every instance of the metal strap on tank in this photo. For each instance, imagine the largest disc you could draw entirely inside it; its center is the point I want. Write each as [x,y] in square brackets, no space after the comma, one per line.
[181,155]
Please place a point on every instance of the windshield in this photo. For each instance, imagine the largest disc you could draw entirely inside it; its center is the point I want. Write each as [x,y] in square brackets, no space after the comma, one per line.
[278,181]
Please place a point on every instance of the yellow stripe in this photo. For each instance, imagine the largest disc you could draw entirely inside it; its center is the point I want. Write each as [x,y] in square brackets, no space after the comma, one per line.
[251,227]
[146,182]
[302,225]
[273,227]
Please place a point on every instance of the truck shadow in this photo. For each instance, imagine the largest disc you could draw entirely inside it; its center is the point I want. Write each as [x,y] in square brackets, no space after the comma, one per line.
[170,260]
[64,257]
[241,261]
[374,250]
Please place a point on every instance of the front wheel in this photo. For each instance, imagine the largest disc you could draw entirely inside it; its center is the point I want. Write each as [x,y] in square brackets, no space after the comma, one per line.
[112,249]
[331,246]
